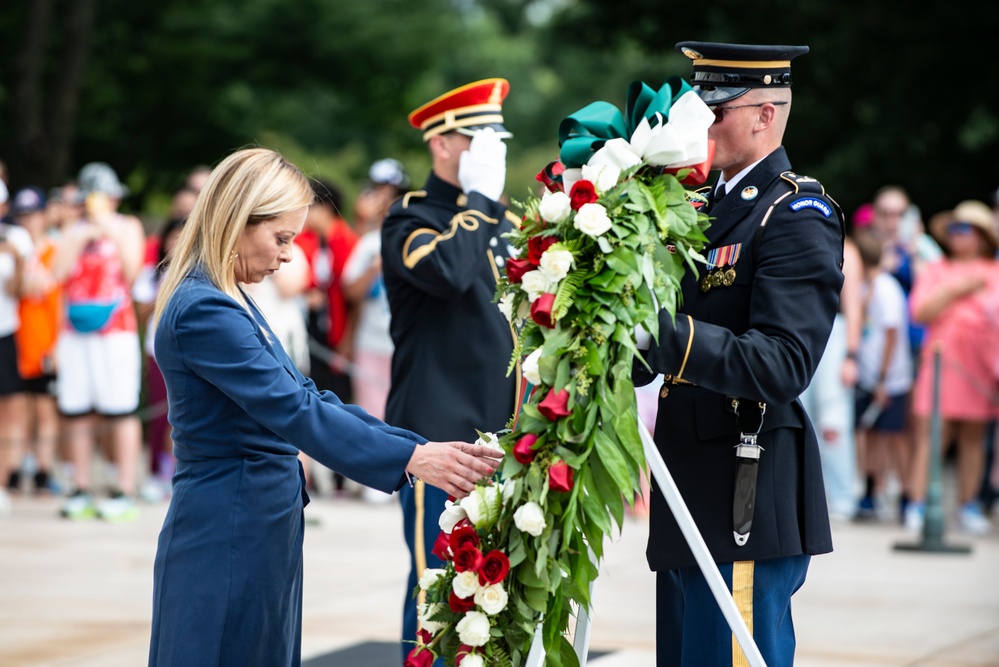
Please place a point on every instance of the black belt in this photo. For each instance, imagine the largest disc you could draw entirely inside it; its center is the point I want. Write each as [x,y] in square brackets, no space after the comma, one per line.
[747,454]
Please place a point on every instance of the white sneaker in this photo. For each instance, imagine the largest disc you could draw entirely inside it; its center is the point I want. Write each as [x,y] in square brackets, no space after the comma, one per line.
[914,515]
[119,509]
[79,506]
[972,520]
[5,506]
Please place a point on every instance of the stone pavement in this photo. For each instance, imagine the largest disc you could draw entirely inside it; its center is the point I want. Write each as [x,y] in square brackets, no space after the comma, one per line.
[78,594]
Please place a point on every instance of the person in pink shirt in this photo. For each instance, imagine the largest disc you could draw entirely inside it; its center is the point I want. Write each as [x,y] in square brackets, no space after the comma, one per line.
[956,298]
[98,352]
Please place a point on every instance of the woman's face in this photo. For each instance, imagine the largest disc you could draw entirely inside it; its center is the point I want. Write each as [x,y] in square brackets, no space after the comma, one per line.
[264,247]
[965,241]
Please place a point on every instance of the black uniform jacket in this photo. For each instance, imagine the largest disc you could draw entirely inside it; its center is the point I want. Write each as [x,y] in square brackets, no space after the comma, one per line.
[442,255]
[758,338]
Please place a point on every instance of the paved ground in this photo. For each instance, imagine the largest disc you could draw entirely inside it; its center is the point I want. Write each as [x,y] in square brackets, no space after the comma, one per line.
[78,595]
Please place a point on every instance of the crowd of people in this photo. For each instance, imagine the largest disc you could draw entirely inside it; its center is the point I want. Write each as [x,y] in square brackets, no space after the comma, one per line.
[912,291]
[78,283]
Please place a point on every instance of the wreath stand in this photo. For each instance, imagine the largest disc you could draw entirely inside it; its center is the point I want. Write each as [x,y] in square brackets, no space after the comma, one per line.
[581,640]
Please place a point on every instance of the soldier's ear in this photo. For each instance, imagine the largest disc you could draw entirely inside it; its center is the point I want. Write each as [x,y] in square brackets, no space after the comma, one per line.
[766,116]
[438,147]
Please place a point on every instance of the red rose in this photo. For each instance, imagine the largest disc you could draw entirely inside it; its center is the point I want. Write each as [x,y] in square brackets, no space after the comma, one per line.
[460,605]
[467,559]
[536,246]
[463,650]
[441,545]
[582,192]
[555,405]
[559,478]
[522,451]
[541,310]
[419,657]
[495,565]
[462,536]
[425,636]
[516,268]
[551,176]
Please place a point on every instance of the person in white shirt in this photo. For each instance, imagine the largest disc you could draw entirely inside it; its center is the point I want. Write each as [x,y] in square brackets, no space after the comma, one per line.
[884,378]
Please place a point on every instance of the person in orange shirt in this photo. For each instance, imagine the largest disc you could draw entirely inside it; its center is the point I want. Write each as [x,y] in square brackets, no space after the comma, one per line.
[40,312]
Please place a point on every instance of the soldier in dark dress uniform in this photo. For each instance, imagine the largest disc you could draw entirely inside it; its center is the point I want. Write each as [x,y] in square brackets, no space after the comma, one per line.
[744,345]
[442,254]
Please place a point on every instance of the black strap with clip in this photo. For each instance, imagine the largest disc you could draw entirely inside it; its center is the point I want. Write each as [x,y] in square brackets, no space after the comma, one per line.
[747,454]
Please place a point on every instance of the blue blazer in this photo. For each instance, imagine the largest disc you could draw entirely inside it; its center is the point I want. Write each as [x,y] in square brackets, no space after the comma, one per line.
[228,570]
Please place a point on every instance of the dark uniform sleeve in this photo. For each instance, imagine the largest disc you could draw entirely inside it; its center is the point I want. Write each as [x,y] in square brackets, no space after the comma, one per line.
[794,298]
[438,262]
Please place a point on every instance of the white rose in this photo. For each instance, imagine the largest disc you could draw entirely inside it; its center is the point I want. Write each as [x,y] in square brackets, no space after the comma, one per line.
[473,660]
[491,599]
[473,628]
[433,627]
[529,367]
[506,306]
[556,264]
[523,311]
[508,489]
[530,518]
[465,584]
[491,441]
[535,283]
[592,220]
[554,206]
[430,576]
[603,176]
[482,505]
[451,515]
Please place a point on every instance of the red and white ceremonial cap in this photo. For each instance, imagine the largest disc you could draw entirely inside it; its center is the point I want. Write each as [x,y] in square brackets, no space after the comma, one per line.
[471,107]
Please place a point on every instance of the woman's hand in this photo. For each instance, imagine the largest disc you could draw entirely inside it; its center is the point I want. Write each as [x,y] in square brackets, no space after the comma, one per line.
[453,467]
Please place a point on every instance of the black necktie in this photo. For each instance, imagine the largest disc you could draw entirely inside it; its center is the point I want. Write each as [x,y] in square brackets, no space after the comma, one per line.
[719,194]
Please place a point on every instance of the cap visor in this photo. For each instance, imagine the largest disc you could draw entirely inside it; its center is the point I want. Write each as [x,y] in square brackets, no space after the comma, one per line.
[714,95]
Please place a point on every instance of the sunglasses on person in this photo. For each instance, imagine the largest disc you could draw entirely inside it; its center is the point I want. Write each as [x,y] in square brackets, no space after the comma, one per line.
[720,111]
[959,228]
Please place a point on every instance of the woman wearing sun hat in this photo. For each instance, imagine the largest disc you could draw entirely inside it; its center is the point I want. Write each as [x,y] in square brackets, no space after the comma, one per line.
[958,299]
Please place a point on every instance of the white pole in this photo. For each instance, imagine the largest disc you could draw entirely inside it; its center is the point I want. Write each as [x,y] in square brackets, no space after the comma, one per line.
[696,543]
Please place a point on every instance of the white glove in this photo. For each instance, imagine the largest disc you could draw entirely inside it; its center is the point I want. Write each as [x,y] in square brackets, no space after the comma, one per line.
[482,168]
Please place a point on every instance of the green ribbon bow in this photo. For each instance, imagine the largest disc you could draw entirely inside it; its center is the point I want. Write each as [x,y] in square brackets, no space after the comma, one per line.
[584,132]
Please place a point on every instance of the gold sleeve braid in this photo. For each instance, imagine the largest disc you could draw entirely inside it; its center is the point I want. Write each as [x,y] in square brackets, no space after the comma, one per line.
[467,220]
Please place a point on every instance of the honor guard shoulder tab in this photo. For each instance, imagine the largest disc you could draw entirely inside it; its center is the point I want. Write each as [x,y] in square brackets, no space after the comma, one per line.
[803,184]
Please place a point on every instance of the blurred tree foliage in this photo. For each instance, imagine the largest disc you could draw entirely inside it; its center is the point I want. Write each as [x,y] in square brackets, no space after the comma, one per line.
[164,86]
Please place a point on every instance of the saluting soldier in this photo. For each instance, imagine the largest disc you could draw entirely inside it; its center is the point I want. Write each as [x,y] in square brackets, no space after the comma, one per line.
[744,345]
[442,254]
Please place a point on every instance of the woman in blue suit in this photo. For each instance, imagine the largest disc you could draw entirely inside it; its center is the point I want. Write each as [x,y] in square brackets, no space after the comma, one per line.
[228,571]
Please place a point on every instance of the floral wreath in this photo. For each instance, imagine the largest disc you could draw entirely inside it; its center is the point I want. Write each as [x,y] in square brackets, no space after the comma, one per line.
[597,257]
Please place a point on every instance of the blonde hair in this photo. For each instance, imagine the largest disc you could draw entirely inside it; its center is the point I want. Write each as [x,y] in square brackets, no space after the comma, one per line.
[248,187]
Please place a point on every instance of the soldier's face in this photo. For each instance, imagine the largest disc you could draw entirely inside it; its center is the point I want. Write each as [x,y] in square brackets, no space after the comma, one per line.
[733,133]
